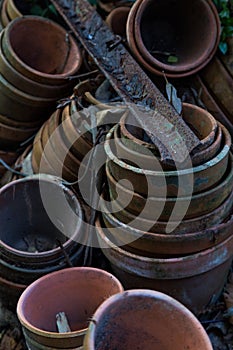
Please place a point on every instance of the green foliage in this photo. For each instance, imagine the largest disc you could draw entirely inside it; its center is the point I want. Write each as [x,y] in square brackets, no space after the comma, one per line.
[225,9]
[42,8]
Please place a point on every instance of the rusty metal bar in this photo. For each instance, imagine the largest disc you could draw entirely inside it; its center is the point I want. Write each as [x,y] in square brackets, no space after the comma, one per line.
[129,80]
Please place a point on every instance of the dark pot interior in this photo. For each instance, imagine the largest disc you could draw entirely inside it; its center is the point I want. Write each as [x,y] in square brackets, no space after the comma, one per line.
[178,28]
[25,224]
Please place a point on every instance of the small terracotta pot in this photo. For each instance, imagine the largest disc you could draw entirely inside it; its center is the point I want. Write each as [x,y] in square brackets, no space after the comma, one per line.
[195,280]
[117,20]
[28,85]
[27,46]
[201,177]
[76,291]
[148,22]
[153,316]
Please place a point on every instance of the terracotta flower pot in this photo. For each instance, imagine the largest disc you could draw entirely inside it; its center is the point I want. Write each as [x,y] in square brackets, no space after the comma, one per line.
[32,227]
[195,280]
[157,35]
[76,291]
[153,316]
[30,44]
[117,20]
[28,85]
[204,176]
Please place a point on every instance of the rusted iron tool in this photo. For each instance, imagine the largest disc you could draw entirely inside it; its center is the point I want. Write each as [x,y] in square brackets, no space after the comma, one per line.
[152,111]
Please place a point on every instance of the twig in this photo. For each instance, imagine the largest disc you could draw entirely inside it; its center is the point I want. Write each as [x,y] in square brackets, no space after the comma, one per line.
[67,258]
[62,323]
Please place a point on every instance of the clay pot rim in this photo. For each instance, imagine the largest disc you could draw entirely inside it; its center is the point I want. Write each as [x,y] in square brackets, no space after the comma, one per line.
[182,266]
[196,158]
[14,285]
[25,323]
[13,9]
[20,129]
[19,95]
[147,294]
[22,125]
[67,174]
[176,68]
[195,196]
[34,72]
[4,17]
[139,58]
[209,164]
[47,178]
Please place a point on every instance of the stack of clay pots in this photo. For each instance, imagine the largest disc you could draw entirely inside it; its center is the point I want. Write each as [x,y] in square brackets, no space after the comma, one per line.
[159,234]
[66,138]
[173,38]
[37,57]
[60,145]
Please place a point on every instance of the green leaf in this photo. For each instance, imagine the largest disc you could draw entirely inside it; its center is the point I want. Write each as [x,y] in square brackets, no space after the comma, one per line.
[172,59]
[223,47]
[36,10]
